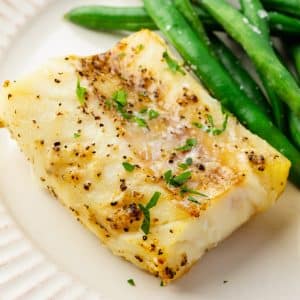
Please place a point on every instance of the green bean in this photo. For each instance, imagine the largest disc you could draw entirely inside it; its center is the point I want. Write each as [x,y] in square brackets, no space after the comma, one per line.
[136,18]
[110,18]
[278,107]
[294,121]
[208,22]
[294,125]
[283,24]
[185,7]
[288,6]
[254,11]
[296,57]
[217,80]
[239,74]
[259,50]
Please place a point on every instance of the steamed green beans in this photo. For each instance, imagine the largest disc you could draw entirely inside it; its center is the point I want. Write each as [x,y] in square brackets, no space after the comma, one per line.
[259,50]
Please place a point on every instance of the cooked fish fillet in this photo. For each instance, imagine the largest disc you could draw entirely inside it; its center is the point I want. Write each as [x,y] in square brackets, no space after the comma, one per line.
[79,119]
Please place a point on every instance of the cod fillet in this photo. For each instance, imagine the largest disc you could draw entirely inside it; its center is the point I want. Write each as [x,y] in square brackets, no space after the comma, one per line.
[108,133]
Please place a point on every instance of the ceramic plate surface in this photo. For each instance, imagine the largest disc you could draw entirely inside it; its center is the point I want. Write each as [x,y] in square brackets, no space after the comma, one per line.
[46,254]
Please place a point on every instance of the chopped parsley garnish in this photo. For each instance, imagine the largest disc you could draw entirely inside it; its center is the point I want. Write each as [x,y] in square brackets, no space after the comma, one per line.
[189,144]
[80,92]
[172,64]
[153,114]
[123,112]
[198,125]
[140,47]
[183,166]
[120,100]
[181,178]
[131,282]
[161,283]
[188,162]
[108,103]
[128,167]
[211,128]
[168,176]
[143,110]
[177,180]
[192,199]
[120,97]
[140,122]
[153,200]
[185,189]
[76,135]
[146,211]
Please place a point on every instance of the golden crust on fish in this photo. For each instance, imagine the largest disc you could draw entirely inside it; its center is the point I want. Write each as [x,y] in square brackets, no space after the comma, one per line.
[140,107]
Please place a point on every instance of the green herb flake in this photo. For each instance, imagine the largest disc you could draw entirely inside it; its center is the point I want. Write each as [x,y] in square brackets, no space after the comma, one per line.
[146,222]
[188,162]
[140,122]
[128,167]
[177,180]
[123,112]
[162,283]
[76,135]
[139,48]
[153,114]
[81,93]
[217,131]
[143,110]
[194,200]
[198,125]
[168,176]
[120,97]
[153,201]
[181,178]
[172,64]
[108,103]
[146,211]
[211,128]
[131,282]
[183,166]
[185,189]
[122,55]
[189,144]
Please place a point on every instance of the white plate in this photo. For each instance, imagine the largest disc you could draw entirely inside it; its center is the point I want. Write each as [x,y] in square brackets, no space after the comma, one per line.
[46,254]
